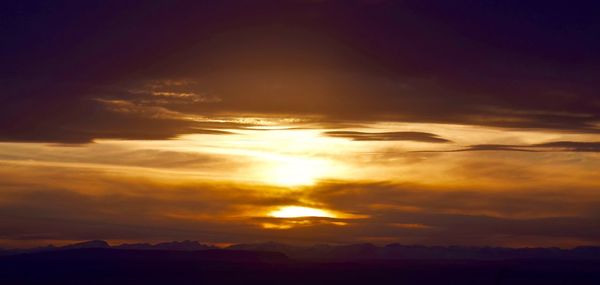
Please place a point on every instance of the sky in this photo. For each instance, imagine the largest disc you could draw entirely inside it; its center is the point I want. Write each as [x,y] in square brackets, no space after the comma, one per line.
[461,122]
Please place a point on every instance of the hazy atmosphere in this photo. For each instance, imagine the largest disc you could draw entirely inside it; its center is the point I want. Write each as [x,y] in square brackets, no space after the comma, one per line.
[416,122]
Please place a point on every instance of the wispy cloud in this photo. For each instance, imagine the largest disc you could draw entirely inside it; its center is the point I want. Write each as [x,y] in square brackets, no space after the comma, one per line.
[387,136]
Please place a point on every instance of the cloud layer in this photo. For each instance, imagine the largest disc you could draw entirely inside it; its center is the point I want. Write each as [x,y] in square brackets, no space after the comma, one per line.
[389,60]
[437,122]
[387,136]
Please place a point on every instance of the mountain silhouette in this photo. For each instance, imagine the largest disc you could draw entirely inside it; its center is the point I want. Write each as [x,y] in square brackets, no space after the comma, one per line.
[87,244]
[363,251]
[186,245]
[413,252]
[114,266]
[134,255]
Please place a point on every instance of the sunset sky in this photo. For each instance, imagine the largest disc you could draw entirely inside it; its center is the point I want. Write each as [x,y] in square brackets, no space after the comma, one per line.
[300,121]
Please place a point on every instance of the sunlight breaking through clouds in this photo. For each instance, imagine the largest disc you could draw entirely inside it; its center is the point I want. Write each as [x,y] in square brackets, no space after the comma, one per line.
[298,211]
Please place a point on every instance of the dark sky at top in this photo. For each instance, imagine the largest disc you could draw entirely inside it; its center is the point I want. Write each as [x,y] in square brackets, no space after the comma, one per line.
[524,64]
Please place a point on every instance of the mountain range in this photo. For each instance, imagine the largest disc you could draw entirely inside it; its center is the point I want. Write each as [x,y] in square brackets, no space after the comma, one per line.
[189,262]
[363,251]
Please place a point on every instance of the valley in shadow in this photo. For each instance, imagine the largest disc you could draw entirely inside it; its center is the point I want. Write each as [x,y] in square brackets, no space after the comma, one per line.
[188,262]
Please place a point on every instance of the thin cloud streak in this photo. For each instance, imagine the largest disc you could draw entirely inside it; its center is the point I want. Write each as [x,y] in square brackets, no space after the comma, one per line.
[559,146]
[387,136]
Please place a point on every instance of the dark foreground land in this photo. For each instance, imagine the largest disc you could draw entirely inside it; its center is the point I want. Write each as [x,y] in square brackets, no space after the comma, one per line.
[120,266]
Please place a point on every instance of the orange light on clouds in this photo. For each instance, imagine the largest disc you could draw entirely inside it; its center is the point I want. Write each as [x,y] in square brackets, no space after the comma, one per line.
[298,211]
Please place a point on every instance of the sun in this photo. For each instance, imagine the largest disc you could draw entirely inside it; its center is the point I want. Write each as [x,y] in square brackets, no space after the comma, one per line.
[298,212]
[296,171]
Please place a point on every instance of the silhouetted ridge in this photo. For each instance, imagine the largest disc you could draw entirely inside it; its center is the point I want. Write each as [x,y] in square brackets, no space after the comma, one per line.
[131,255]
[268,246]
[87,244]
[174,245]
[346,252]
[315,265]
[398,251]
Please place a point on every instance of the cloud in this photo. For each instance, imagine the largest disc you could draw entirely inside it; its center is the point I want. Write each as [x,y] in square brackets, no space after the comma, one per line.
[77,204]
[516,202]
[81,120]
[133,209]
[76,73]
[388,136]
[571,146]
[463,215]
[559,146]
[402,61]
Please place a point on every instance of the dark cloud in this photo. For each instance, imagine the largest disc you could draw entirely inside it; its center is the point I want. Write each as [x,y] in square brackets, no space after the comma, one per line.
[510,202]
[560,146]
[572,146]
[465,216]
[492,147]
[388,136]
[508,64]
[497,147]
[224,213]
[145,211]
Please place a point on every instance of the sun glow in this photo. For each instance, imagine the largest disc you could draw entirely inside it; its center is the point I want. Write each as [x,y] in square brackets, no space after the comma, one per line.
[293,171]
[298,212]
